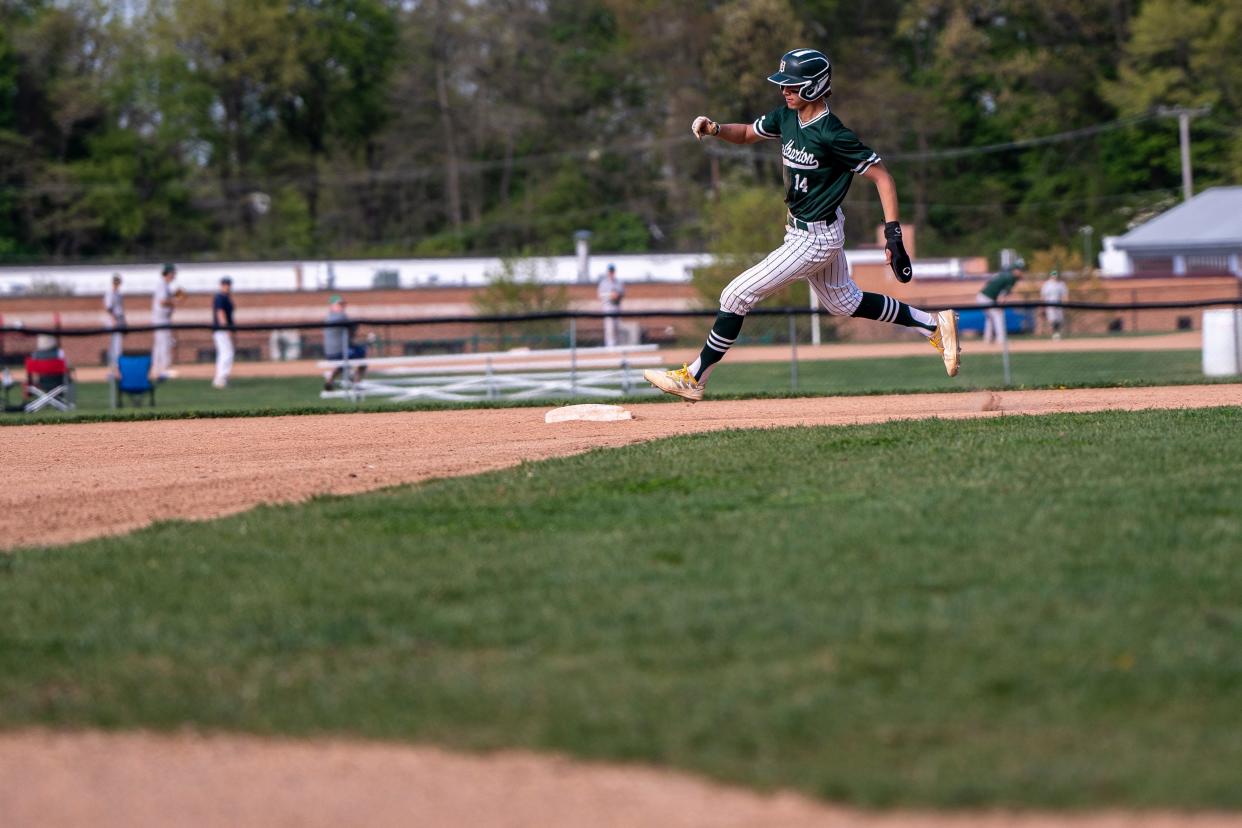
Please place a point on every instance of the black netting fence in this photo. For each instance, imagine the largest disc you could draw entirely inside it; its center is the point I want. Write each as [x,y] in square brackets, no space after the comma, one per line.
[780,350]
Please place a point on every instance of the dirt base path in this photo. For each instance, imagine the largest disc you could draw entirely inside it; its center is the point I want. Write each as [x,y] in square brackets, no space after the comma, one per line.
[104,478]
[140,780]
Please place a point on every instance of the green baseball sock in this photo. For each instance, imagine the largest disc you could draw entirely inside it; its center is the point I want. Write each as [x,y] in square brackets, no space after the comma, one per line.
[719,339]
[883,308]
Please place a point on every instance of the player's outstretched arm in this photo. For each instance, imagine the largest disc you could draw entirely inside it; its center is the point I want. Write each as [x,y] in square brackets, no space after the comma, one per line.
[894,247]
[733,133]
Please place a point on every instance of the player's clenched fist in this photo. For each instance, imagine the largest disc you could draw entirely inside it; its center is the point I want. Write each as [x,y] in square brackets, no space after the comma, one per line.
[704,125]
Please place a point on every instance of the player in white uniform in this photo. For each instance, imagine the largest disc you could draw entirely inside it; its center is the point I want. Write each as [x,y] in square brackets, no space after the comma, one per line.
[114,306]
[163,301]
[610,291]
[820,156]
[1054,291]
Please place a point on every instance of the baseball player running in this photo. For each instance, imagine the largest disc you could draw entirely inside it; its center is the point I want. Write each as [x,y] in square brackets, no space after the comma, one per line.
[821,156]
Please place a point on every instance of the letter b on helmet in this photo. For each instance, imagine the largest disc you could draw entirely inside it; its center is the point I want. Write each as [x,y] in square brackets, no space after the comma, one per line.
[808,69]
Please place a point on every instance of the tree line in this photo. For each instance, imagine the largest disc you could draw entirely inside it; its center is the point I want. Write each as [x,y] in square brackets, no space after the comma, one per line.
[289,128]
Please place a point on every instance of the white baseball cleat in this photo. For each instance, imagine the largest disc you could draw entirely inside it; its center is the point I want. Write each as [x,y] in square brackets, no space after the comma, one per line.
[679,383]
[944,339]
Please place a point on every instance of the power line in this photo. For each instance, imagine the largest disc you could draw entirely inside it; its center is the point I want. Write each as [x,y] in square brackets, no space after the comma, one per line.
[1070,135]
[963,152]
[1061,202]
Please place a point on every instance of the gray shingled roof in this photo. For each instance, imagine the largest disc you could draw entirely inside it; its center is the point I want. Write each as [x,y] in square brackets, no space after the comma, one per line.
[1210,222]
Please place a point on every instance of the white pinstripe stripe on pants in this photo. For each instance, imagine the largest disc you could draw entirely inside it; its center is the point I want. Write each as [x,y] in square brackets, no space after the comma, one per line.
[814,255]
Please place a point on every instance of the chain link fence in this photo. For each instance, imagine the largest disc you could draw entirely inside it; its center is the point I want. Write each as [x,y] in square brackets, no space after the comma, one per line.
[780,350]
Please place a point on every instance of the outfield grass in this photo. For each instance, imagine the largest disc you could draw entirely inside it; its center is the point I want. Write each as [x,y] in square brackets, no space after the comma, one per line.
[916,374]
[300,395]
[1020,611]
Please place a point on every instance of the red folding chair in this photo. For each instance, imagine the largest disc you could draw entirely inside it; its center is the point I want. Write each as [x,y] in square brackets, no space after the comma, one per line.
[48,383]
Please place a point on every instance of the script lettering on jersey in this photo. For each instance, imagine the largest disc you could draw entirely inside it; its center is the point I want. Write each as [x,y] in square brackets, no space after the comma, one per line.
[798,158]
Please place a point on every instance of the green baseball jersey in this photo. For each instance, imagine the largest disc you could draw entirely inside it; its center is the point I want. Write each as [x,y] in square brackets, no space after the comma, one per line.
[1002,282]
[820,159]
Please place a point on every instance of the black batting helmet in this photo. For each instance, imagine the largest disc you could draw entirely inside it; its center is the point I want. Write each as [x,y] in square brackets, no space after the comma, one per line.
[808,69]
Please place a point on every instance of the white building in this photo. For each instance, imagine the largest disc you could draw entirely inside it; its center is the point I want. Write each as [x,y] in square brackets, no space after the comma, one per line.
[1200,237]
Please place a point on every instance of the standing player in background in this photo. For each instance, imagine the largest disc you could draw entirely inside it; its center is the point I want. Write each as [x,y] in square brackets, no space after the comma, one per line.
[1054,292]
[222,332]
[163,302]
[610,293]
[821,157]
[114,305]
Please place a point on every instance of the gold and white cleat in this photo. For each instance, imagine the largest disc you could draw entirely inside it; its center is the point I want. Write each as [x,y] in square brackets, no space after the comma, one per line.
[944,339]
[679,383]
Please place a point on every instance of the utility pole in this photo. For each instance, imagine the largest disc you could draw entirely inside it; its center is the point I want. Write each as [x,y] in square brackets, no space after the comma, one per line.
[1184,114]
[1087,232]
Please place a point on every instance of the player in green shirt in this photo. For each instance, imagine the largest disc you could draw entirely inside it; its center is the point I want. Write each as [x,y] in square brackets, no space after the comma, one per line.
[820,157]
[1001,284]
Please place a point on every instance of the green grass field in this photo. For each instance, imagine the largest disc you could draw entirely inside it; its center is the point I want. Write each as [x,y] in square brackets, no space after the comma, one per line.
[1022,611]
[298,395]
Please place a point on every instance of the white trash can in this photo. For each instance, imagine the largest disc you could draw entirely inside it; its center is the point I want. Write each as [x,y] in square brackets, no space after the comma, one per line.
[1222,342]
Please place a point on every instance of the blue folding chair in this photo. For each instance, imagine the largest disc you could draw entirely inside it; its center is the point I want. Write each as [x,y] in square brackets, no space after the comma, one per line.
[135,370]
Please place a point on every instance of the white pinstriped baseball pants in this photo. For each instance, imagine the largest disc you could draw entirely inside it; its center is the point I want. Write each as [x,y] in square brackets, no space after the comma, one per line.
[815,255]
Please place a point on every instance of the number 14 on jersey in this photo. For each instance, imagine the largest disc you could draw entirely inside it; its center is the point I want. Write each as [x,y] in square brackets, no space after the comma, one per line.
[799,182]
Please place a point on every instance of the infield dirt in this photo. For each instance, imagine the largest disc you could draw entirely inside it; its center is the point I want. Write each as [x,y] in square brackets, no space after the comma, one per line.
[105,478]
[142,780]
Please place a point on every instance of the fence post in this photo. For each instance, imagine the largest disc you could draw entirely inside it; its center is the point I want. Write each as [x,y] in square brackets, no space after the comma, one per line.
[1005,360]
[793,352]
[491,378]
[573,355]
[815,332]
[347,372]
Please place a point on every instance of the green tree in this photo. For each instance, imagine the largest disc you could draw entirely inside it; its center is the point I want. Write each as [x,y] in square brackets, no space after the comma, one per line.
[346,49]
[751,35]
[12,146]
[1185,53]
[236,61]
[516,289]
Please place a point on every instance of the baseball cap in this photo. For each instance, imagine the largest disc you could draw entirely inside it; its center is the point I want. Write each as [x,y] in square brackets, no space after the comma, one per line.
[612,266]
[226,280]
[335,299]
[169,268]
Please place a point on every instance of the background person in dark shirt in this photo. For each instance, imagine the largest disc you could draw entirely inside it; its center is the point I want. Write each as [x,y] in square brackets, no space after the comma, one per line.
[222,332]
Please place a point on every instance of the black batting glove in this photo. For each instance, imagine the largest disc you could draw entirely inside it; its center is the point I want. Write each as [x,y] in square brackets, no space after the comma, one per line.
[900,262]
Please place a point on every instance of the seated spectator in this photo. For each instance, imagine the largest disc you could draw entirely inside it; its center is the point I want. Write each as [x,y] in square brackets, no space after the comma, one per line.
[337,344]
[47,347]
